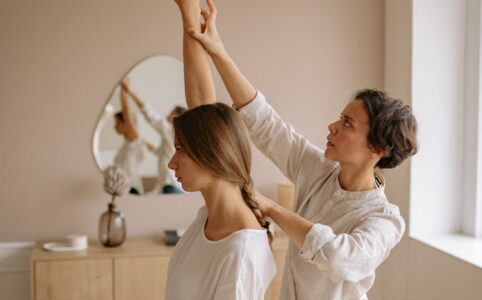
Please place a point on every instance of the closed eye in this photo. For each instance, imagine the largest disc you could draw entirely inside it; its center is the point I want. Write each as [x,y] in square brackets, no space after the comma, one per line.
[346,121]
[178,148]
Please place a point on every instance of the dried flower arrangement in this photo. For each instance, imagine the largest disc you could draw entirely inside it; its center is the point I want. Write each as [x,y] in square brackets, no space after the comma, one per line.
[116,182]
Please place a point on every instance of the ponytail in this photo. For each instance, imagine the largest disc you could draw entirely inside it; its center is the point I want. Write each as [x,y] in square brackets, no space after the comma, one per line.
[247,192]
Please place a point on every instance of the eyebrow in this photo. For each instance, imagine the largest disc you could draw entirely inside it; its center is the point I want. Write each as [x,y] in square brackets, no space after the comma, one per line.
[349,118]
[353,120]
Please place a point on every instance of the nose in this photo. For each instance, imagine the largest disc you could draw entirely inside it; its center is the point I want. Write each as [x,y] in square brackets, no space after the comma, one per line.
[332,128]
[172,164]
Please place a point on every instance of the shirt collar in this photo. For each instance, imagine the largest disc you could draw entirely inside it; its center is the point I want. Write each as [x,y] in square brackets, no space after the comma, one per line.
[375,193]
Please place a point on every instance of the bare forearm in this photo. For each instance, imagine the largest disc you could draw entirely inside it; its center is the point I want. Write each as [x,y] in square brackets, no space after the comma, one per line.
[237,85]
[199,85]
[127,114]
[136,99]
[295,227]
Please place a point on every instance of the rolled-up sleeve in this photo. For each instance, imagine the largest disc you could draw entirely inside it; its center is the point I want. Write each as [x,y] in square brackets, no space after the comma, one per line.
[353,256]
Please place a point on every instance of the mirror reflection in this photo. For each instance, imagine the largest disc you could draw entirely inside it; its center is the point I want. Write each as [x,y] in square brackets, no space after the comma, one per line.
[134,131]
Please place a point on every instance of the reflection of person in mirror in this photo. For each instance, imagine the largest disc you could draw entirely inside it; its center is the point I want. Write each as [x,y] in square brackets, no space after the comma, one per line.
[344,226]
[130,155]
[166,182]
[226,250]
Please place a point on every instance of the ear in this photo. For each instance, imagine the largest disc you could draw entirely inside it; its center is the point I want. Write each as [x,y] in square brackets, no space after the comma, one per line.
[379,152]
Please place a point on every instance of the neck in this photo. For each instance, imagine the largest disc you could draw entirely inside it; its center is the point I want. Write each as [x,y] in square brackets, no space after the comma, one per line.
[355,179]
[225,204]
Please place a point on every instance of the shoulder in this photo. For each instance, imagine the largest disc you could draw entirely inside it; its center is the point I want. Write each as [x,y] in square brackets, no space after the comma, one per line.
[193,231]
[383,209]
[386,207]
[240,240]
[391,209]
[252,246]
[250,253]
[385,216]
[202,211]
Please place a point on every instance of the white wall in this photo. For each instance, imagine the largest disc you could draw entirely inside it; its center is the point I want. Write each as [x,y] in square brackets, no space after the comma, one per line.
[415,271]
[438,74]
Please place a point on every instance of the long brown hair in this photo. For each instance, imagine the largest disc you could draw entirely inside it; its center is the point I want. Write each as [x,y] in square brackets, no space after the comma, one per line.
[215,137]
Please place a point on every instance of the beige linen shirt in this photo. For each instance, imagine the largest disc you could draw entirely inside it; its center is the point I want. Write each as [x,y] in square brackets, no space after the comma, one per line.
[353,232]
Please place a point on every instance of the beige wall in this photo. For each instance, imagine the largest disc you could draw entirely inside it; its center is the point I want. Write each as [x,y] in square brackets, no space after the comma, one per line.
[392,275]
[60,59]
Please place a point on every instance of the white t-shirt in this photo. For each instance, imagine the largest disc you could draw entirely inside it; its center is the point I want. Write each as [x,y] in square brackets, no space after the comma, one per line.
[166,150]
[240,266]
[129,158]
[353,232]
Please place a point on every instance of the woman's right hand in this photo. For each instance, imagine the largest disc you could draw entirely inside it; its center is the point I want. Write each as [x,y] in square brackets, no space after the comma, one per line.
[209,36]
[265,204]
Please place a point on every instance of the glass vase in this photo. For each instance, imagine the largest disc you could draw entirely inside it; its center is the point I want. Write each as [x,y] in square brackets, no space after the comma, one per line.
[112,227]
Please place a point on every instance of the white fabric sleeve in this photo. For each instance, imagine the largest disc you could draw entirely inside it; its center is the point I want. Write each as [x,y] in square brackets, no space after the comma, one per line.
[278,140]
[353,256]
[157,122]
[239,281]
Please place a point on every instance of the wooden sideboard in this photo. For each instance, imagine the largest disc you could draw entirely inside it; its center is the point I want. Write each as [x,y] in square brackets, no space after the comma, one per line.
[135,270]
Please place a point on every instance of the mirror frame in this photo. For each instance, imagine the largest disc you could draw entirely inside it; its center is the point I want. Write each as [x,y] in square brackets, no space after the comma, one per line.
[100,123]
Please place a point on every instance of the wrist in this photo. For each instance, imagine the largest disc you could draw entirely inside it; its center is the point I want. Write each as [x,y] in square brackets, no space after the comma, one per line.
[187,5]
[190,14]
[271,209]
[221,54]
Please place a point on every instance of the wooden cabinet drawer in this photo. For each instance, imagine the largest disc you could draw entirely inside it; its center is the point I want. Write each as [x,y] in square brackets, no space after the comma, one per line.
[88,279]
[140,278]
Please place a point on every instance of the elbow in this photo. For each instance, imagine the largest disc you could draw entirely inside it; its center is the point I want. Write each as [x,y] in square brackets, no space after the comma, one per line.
[351,266]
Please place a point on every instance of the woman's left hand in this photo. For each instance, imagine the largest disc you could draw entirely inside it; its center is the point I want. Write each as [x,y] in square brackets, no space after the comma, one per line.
[209,36]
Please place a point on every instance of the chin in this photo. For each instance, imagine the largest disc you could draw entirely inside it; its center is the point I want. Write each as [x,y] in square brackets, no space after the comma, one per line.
[329,154]
[188,188]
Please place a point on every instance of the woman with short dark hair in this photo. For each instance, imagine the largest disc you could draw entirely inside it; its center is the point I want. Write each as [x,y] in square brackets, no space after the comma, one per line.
[343,226]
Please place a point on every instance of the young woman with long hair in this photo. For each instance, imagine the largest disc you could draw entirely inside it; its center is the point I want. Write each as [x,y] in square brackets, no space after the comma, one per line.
[225,253]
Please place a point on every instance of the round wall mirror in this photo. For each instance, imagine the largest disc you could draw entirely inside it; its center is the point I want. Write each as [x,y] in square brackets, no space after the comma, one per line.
[138,136]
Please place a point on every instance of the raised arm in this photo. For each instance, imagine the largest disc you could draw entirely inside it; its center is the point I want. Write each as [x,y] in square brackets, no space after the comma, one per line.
[127,86]
[154,119]
[238,86]
[198,82]
[131,131]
